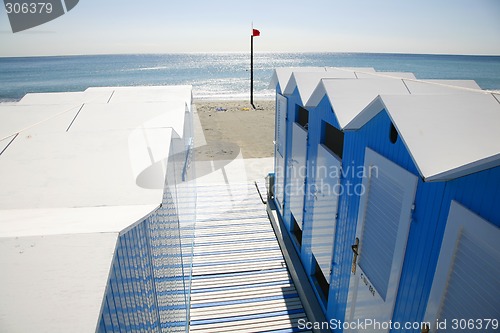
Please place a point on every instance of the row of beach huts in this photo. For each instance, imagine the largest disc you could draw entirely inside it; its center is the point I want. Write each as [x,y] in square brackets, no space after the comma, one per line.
[389,187]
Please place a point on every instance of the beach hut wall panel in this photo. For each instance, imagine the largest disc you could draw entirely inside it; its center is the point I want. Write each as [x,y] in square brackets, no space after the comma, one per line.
[295,114]
[285,112]
[298,200]
[468,257]
[429,216]
[324,167]
[313,246]
[279,151]
[430,193]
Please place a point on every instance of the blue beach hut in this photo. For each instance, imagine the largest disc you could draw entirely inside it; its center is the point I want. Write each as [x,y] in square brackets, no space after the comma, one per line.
[293,88]
[418,157]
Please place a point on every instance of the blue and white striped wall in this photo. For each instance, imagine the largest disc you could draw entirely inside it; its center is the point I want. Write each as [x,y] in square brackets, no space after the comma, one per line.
[429,208]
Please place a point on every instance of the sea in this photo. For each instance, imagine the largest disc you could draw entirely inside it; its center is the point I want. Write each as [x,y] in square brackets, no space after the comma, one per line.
[220,75]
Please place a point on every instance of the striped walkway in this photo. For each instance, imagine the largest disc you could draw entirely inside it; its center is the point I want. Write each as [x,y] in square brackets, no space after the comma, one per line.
[240,280]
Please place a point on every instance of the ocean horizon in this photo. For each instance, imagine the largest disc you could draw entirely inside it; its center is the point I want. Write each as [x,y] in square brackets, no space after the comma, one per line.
[220,75]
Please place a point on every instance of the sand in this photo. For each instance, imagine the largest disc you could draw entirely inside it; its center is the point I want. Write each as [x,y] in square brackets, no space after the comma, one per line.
[234,126]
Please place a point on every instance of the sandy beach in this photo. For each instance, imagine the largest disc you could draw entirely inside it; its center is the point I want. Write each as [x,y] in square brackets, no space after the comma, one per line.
[234,126]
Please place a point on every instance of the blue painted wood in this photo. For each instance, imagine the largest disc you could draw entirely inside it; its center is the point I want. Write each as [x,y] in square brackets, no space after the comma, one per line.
[479,192]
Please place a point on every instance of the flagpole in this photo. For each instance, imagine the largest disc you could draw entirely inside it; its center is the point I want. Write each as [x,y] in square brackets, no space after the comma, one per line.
[251,70]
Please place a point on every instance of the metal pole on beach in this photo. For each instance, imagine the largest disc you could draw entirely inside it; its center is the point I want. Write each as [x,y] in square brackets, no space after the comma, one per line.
[255,33]
[251,70]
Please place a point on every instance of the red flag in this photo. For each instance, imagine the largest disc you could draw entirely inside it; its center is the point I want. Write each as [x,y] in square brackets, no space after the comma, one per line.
[255,33]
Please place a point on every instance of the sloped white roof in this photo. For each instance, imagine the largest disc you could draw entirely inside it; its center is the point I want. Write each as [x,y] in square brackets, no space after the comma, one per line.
[130,115]
[85,169]
[448,136]
[283,74]
[386,75]
[73,176]
[36,118]
[54,283]
[100,95]
[80,97]
[349,96]
[306,82]
[450,127]
[352,69]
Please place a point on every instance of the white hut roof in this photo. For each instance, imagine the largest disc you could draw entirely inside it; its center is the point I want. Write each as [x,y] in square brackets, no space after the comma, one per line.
[386,75]
[450,127]
[348,97]
[282,75]
[306,82]
[76,171]
[448,136]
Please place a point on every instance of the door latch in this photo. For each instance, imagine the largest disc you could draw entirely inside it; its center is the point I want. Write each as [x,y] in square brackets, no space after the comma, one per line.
[355,256]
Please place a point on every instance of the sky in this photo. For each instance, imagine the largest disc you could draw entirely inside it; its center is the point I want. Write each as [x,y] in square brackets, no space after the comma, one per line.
[160,26]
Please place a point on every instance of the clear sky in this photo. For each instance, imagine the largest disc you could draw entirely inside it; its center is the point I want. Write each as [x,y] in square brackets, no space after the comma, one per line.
[163,26]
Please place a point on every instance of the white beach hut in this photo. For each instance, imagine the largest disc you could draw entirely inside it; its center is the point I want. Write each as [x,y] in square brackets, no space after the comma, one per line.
[88,204]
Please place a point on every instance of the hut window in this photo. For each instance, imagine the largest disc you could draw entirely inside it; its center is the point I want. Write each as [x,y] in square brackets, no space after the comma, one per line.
[333,139]
[302,117]
[321,282]
[393,136]
[297,231]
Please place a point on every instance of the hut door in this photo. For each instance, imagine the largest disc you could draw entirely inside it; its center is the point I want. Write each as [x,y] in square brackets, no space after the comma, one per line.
[279,153]
[465,291]
[326,196]
[384,218]
[297,169]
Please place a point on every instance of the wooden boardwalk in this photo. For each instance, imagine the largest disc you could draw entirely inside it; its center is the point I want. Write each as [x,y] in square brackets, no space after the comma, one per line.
[240,279]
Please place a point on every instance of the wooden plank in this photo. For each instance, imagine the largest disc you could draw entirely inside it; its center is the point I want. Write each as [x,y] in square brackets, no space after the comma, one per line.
[240,282]
[242,294]
[243,267]
[239,256]
[246,326]
[255,308]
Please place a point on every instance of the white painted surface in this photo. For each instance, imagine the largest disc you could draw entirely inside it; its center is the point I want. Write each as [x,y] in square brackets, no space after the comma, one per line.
[103,117]
[349,97]
[350,69]
[297,170]
[306,82]
[354,101]
[54,283]
[66,196]
[35,118]
[146,94]
[282,75]
[374,286]
[6,142]
[279,151]
[448,136]
[60,221]
[466,266]
[80,97]
[380,75]
[84,169]
[440,87]
[326,197]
